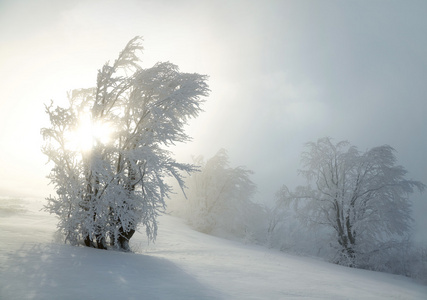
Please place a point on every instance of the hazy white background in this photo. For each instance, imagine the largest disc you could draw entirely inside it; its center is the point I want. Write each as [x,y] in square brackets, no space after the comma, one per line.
[282,73]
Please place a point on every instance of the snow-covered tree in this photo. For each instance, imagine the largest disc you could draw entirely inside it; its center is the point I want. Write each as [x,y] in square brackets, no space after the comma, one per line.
[218,197]
[361,199]
[108,148]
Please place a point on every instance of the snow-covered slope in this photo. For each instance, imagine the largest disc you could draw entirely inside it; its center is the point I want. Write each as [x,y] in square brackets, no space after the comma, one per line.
[182,264]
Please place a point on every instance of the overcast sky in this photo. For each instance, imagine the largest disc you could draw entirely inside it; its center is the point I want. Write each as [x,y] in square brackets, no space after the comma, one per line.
[282,73]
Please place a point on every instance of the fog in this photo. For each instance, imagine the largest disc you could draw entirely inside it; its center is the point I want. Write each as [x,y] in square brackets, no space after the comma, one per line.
[282,73]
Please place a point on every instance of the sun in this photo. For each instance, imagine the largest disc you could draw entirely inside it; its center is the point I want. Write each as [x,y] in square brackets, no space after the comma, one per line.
[88,134]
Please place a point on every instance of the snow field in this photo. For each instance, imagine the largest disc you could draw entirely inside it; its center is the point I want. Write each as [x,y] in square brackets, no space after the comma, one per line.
[182,264]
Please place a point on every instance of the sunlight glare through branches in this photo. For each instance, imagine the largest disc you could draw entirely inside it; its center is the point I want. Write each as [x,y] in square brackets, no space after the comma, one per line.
[88,134]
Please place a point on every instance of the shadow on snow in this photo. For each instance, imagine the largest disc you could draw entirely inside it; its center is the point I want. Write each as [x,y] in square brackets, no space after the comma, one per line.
[64,272]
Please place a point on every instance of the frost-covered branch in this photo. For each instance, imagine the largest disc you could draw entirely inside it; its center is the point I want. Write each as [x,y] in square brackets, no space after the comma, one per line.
[361,198]
[109,187]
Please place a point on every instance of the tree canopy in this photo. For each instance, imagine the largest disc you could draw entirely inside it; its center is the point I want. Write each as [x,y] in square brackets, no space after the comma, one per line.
[218,198]
[109,148]
[362,198]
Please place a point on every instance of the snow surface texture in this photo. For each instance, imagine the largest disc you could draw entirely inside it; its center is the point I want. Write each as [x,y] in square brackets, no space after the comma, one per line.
[182,264]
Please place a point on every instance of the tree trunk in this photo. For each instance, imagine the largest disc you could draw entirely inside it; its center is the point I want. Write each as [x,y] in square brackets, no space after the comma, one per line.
[88,242]
[124,237]
[100,242]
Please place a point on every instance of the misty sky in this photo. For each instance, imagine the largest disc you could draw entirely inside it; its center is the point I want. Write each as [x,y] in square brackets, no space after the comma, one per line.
[282,73]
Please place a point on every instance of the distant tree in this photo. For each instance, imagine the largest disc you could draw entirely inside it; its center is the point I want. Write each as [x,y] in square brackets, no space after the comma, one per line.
[108,148]
[218,197]
[360,198]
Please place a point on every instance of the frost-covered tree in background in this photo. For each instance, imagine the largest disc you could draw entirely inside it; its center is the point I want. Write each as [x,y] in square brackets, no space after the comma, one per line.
[218,198]
[360,200]
[108,148]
